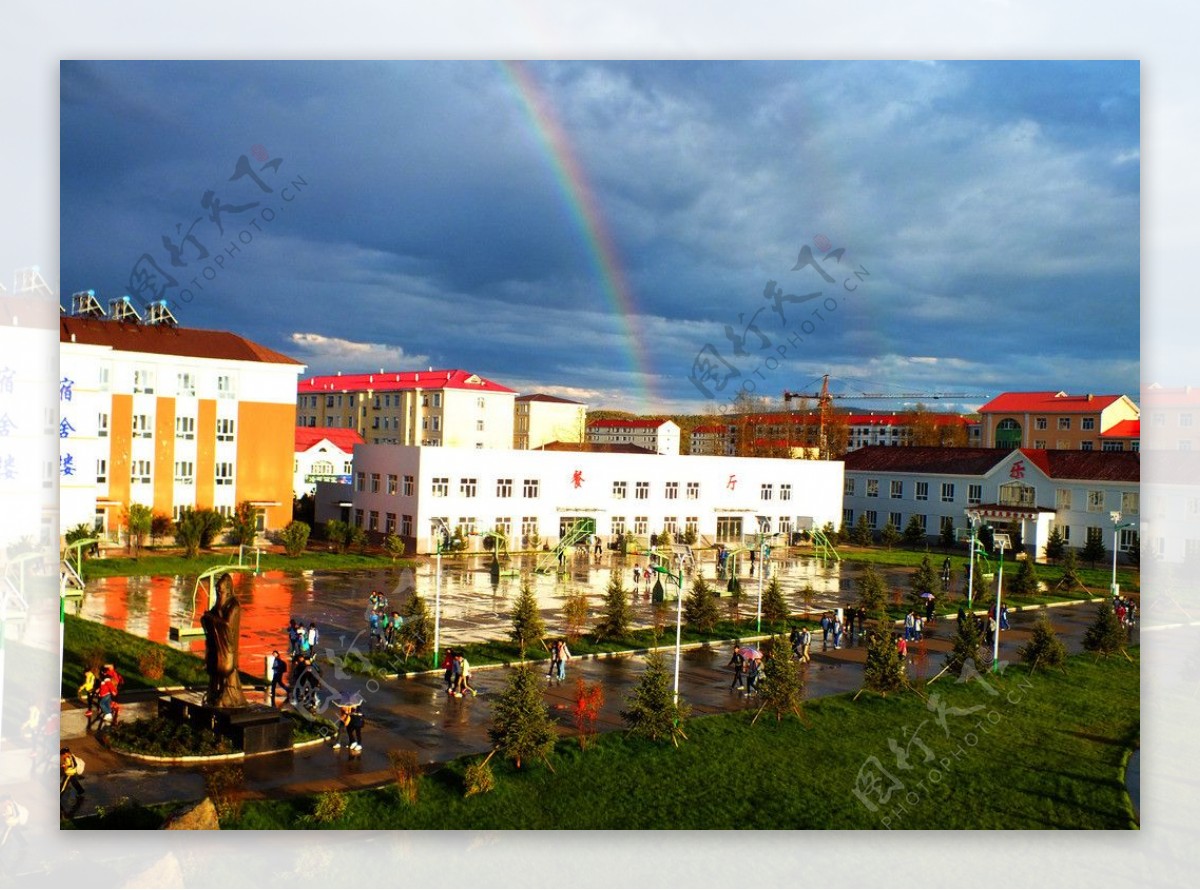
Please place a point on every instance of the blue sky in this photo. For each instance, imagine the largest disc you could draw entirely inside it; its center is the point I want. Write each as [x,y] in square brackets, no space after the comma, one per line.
[995,205]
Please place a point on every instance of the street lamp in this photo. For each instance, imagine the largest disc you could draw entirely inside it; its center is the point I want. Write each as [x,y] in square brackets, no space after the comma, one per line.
[763,522]
[441,536]
[678,579]
[1001,542]
[1115,516]
[973,517]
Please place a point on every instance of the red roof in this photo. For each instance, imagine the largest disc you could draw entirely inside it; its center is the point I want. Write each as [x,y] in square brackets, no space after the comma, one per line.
[341,437]
[1047,402]
[1123,429]
[1106,466]
[394,381]
[808,418]
[632,423]
[162,339]
[1092,466]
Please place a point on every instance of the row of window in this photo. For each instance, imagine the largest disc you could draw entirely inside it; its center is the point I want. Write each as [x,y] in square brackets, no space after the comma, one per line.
[185,427]
[145,380]
[1011,494]
[896,520]
[141,471]
[921,490]
[468,487]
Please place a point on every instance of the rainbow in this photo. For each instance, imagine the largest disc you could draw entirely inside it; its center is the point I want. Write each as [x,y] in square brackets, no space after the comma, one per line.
[580,201]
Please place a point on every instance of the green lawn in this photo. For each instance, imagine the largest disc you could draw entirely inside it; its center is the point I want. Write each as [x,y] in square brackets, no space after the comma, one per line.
[173,564]
[1052,759]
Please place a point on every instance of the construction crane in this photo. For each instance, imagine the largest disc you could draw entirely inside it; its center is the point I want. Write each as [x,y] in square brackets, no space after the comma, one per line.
[824,400]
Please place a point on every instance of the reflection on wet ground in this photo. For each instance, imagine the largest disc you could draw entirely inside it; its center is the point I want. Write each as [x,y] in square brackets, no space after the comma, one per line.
[475,604]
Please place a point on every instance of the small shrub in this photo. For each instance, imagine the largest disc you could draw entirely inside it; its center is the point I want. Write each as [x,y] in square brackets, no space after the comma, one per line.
[394,546]
[575,615]
[479,778]
[294,537]
[331,807]
[152,664]
[224,786]
[406,770]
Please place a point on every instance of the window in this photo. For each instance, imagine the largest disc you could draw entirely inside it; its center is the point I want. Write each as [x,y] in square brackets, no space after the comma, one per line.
[1086,445]
[1062,444]
[360,481]
[641,491]
[479,426]
[143,380]
[922,522]
[530,488]
[441,486]
[185,427]
[406,525]
[393,483]
[672,491]
[847,516]
[848,486]
[102,424]
[1128,537]
[692,524]
[225,429]
[1111,446]
[618,491]
[101,471]
[975,493]
[185,383]
[766,491]
[437,424]
[947,492]
[1130,501]
[437,400]
[466,487]
[693,491]
[141,426]
[479,403]
[897,488]
[872,488]
[504,488]
[894,519]
[504,526]
[1064,423]
[227,389]
[1185,419]
[1039,443]
[640,525]
[1095,533]
[375,483]
[224,474]
[922,491]
[872,519]
[104,378]
[1062,499]
[671,525]
[389,524]
[358,518]
[1087,423]
[1095,502]
[1016,494]
[529,528]
[618,525]
[185,472]
[1039,423]
[373,521]
[408,486]
[785,491]
[328,399]
[1066,532]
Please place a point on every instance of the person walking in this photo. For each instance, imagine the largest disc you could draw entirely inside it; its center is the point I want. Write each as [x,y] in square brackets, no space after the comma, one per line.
[87,692]
[1004,616]
[107,694]
[342,725]
[465,677]
[837,633]
[278,672]
[902,647]
[564,655]
[929,606]
[805,644]
[354,728]
[754,669]
[794,641]
[918,627]
[293,632]
[738,663]
[825,629]
[312,638]
[70,768]
[909,624]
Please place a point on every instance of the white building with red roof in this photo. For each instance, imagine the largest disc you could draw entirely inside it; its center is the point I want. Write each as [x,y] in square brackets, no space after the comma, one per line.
[659,436]
[1056,420]
[447,408]
[323,454]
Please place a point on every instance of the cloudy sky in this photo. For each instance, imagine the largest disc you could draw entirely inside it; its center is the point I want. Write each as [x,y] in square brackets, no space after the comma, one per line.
[607,231]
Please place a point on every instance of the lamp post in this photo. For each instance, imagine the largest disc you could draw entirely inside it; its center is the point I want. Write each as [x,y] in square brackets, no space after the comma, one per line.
[762,565]
[973,517]
[678,579]
[1115,516]
[441,536]
[1001,543]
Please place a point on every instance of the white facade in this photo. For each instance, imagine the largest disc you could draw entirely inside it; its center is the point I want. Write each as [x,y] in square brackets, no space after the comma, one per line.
[323,461]
[526,493]
[661,437]
[539,421]
[1015,493]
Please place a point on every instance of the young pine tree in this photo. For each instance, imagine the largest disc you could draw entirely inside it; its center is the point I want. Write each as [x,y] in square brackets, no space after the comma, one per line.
[416,631]
[890,536]
[923,579]
[1055,545]
[966,646]
[521,726]
[1025,581]
[774,606]
[1105,635]
[527,624]
[700,607]
[883,671]
[1094,550]
[871,592]
[914,533]
[1044,648]
[650,710]
[782,685]
[861,534]
[617,615]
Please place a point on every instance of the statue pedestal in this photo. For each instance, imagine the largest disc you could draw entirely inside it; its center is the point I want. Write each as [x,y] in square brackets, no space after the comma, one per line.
[255,729]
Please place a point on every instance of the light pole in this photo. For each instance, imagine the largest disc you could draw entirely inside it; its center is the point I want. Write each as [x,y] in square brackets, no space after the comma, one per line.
[1115,516]
[441,535]
[1001,543]
[762,565]
[973,517]
[678,579]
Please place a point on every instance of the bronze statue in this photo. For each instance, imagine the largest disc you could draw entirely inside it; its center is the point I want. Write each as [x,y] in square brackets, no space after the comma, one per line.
[222,625]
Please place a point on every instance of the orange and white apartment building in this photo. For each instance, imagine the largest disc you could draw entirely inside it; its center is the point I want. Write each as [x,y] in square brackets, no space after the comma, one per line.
[1056,420]
[171,417]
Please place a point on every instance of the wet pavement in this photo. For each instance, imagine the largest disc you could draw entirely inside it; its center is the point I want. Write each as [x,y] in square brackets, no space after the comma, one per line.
[416,714]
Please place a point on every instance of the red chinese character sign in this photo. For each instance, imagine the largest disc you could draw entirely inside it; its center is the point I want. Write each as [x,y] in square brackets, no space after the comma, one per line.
[577,478]
[1017,471]
[732,483]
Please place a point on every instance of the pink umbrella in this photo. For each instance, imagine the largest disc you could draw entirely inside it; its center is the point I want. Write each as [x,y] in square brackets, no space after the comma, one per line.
[749,652]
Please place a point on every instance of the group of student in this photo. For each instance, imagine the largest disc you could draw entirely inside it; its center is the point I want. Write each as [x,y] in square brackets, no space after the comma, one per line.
[100,696]
[382,624]
[457,673]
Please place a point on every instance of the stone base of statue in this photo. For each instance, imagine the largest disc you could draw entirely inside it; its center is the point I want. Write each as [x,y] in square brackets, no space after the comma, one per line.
[255,729]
